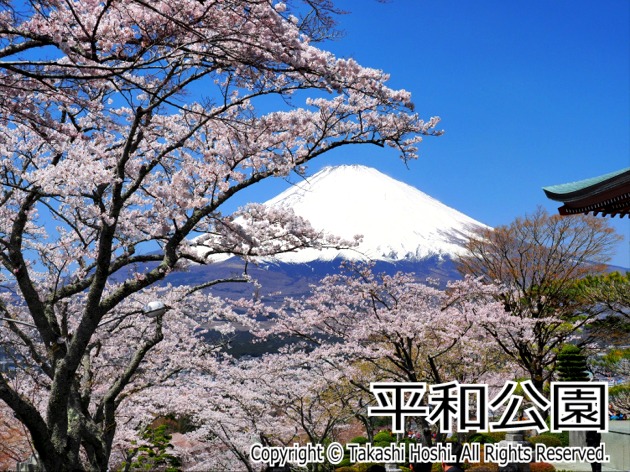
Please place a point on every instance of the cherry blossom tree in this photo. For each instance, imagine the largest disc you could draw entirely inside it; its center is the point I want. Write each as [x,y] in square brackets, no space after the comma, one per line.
[534,267]
[133,365]
[393,327]
[275,400]
[125,128]
[405,328]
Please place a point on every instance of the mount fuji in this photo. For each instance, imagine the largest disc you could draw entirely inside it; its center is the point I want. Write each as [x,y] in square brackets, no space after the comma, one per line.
[403,229]
[397,221]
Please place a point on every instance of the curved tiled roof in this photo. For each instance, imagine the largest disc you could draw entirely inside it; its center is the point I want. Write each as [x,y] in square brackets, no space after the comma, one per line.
[608,194]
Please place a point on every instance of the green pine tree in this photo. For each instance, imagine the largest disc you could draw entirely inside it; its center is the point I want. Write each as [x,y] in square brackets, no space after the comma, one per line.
[154,456]
[571,364]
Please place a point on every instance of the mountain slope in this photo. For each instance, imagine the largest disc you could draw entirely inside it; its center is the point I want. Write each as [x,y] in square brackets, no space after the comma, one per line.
[397,221]
[403,230]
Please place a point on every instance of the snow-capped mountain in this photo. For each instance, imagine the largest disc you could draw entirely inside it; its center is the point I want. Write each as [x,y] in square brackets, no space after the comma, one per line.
[397,221]
[403,230]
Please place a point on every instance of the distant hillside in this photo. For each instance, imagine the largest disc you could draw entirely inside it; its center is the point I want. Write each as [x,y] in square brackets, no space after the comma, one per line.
[293,280]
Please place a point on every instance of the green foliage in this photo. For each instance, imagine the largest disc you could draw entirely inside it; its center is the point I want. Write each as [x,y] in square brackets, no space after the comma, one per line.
[616,362]
[548,439]
[617,355]
[551,438]
[482,438]
[384,438]
[611,330]
[616,359]
[618,390]
[344,463]
[563,437]
[359,440]
[612,290]
[153,456]
[571,364]
[497,435]
[519,388]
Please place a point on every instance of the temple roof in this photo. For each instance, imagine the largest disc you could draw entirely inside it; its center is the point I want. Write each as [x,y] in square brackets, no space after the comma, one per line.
[607,194]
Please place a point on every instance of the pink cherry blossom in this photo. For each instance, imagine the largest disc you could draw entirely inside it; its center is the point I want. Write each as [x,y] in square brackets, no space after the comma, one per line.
[126,127]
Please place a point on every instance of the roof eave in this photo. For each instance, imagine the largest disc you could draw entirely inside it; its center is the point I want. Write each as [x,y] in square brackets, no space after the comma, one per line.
[617,180]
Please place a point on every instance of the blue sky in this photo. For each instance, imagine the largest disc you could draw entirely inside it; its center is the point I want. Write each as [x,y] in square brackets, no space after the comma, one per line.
[530,94]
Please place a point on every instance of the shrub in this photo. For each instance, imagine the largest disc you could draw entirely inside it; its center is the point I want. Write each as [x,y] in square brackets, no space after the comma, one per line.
[496,435]
[541,467]
[482,438]
[359,440]
[548,439]
[384,437]
[563,437]
[345,462]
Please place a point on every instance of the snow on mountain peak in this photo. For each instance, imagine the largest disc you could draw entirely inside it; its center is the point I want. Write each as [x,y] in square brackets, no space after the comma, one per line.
[396,220]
